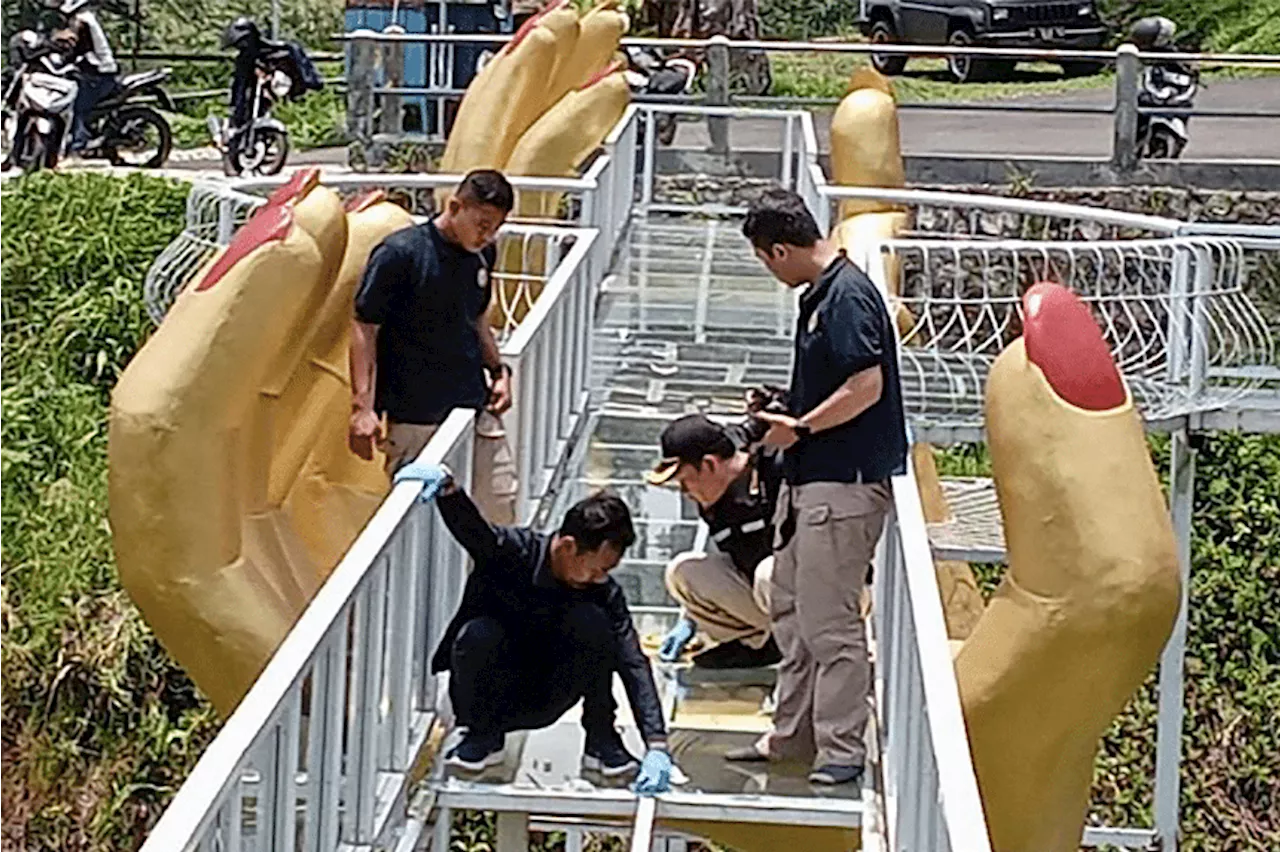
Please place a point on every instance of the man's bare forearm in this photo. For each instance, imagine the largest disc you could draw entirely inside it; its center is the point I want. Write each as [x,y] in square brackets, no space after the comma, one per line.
[858,393]
[364,363]
[489,352]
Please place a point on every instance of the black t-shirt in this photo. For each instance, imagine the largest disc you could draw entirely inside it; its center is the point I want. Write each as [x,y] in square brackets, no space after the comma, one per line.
[741,521]
[844,328]
[426,294]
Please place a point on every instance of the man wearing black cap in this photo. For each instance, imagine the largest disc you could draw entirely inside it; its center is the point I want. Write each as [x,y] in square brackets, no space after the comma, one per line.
[724,593]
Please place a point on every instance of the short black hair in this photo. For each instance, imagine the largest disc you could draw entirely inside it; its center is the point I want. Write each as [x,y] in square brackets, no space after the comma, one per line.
[780,217]
[488,186]
[599,519]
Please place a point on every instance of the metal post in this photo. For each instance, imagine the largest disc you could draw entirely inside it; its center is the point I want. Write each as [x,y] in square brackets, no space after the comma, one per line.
[389,116]
[360,77]
[275,19]
[1124,152]
[1182,472]
[513,832]
[718,91]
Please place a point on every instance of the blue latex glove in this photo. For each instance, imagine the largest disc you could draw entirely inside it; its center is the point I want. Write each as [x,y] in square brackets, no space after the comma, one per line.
[655,773]
[673,643]
[432,476]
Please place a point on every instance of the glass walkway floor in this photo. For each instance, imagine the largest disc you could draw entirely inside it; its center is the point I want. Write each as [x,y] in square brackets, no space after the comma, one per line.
[689,321]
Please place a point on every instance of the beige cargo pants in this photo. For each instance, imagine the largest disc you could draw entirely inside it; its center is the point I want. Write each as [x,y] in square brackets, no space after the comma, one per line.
[818,575]
[718,598]
[493,464]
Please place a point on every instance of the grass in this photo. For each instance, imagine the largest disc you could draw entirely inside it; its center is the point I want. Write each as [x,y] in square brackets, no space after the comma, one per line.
[319,120]
[99,724]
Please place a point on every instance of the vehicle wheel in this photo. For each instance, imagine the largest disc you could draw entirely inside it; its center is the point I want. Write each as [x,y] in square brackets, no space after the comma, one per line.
[667,126]
[33,153]
[1082,69]
[974,69]
[137,137]
[1161,146]
[9,130]
[264,155]
[882,33]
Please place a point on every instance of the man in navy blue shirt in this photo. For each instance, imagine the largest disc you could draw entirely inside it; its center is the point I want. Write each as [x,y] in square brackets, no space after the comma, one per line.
[844,437]
[422,345]
[542,626]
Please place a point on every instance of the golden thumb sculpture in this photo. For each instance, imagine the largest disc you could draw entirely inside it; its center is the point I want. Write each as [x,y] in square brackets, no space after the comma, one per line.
[232,495]
[1093,585]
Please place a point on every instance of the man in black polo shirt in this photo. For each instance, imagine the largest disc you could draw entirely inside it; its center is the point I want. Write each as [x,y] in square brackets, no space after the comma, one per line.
[724,593]
[844,438]
[422,344]
[541,626]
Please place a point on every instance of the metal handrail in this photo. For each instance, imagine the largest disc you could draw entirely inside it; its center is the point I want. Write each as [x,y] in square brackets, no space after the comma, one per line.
[1265,59]
[197,803]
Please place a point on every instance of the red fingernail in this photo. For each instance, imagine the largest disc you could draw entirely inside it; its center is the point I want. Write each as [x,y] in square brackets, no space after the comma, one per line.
[302,182]
[1064,341]
[269,223]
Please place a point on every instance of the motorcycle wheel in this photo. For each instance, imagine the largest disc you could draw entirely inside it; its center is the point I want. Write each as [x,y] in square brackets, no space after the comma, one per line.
[137,137]
[265,156]
[1161,147]
[34,153]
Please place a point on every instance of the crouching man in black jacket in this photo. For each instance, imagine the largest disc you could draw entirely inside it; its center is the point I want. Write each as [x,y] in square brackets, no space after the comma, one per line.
[542,626]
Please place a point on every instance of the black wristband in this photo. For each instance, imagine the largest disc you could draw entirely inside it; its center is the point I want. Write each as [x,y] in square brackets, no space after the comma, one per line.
[499,371]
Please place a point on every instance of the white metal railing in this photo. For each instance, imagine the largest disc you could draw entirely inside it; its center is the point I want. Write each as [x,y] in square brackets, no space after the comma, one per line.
[320,748]
[319,751]
[931,800]
[550,357]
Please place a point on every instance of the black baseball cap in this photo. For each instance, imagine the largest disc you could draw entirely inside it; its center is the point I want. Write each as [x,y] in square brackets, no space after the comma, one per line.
[687,441]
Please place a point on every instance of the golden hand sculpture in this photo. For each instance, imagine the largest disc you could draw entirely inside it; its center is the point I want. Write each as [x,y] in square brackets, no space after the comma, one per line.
[232,492]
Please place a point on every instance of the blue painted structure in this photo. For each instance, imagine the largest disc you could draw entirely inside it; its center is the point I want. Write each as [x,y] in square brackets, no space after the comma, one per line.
[448,68]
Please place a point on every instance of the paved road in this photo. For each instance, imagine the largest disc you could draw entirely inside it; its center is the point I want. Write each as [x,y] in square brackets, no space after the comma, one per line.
[955,132]
[1047,134]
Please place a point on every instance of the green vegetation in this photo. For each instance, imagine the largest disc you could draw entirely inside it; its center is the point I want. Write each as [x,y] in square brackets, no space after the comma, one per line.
[1231,739]
[99,723]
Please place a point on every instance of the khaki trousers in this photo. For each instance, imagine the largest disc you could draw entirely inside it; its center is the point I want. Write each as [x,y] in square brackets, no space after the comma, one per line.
[719,600]
[493,464]
[818,575]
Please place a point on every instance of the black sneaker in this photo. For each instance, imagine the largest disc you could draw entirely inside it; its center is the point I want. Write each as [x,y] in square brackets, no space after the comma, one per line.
[476,751]
[607,755]
[831,775]
[735,655]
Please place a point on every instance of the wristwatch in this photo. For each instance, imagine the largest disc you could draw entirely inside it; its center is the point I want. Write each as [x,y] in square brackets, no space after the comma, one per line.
[499,371]
[802,429]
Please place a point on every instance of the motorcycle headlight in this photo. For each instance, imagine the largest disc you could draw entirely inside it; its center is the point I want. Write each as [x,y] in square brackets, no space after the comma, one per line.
[999,14]
[281,85]
[1085,10]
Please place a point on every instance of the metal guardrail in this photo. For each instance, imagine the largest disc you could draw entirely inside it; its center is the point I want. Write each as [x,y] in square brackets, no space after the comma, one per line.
[930,786]
[384,608]
[374,54]
[323,743]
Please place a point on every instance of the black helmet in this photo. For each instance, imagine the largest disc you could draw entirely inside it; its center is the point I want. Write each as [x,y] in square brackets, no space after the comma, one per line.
[241,32]
[1152,33]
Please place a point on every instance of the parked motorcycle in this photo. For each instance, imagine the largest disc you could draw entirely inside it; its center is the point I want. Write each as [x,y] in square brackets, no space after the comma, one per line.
[267,73]
[651,73]
[1164,84]
[37,111]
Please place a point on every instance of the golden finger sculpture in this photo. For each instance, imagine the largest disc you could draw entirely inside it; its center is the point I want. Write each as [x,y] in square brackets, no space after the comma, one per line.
[866,151]
[1093,585]
[232,495]
[540,108]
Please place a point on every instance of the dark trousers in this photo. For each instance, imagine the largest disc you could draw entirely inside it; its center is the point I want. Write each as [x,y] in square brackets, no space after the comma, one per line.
[510,679]
[93,88]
